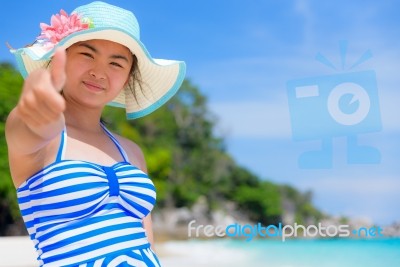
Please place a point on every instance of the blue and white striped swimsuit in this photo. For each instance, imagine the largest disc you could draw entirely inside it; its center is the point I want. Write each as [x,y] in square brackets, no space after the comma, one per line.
[80,213]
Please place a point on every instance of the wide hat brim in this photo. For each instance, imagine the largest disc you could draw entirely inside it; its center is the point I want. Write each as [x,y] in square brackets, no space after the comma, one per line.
[160,78]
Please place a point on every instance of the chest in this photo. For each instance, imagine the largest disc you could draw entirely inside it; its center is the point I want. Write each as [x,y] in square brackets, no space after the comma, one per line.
[95,149]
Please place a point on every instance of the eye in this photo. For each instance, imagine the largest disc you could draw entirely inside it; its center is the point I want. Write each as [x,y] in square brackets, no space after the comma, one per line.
[116,64]
[87,54]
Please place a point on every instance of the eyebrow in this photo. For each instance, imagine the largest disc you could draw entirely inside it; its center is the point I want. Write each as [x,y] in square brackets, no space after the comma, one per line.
[94,50]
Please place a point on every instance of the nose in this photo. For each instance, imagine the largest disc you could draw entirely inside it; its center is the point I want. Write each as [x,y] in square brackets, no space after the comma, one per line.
[97,72]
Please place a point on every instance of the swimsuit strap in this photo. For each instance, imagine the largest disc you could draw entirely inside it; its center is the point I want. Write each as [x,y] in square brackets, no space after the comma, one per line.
[117,144]
[63,145]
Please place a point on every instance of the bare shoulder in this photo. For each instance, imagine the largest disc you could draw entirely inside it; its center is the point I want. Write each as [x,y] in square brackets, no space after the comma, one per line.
[135,153]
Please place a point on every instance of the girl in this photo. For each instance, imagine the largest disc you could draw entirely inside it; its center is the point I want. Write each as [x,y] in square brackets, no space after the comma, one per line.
[83,191]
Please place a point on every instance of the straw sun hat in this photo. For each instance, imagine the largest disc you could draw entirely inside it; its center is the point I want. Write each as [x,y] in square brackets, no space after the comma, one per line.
[161,78]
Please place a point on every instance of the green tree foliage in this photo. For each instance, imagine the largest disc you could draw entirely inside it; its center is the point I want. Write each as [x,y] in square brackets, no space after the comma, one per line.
[305,213]
[184,157]
[10,88]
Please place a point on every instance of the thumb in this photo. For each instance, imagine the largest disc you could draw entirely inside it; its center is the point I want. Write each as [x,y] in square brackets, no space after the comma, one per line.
[57,69]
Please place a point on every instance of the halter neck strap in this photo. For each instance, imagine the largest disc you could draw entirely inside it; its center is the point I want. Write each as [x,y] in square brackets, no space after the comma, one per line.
[63,144]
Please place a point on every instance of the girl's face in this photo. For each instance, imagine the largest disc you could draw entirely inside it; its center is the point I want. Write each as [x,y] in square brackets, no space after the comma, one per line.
[97,70]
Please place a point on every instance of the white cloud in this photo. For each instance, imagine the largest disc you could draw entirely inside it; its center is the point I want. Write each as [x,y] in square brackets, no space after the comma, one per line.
[253,119]
[363,185]
[355,196]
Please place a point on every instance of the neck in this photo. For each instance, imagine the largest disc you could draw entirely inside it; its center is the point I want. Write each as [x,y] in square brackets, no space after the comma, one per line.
[85,119]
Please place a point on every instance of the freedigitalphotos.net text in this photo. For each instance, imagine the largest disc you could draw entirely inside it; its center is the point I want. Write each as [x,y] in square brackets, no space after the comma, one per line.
[249,231]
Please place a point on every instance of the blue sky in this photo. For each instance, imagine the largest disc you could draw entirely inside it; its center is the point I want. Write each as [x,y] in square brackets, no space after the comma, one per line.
[241,54]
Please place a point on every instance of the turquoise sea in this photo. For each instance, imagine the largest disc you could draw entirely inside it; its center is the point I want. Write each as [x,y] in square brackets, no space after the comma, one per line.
[291,253]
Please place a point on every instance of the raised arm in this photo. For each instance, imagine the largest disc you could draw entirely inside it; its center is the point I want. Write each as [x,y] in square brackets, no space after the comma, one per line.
[38,117]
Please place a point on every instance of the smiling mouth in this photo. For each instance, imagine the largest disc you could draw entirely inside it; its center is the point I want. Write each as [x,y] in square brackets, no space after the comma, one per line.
[93,86]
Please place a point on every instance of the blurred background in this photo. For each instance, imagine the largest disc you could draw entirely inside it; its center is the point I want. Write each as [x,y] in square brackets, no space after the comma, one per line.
[287,115]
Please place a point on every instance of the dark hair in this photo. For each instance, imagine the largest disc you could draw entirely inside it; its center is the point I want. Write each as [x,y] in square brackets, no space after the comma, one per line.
[135,78]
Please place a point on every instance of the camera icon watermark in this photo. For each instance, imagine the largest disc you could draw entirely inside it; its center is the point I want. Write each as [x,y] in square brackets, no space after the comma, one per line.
[323,107]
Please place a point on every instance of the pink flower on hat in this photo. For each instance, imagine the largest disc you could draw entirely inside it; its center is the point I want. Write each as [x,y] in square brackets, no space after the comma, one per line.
[61,26]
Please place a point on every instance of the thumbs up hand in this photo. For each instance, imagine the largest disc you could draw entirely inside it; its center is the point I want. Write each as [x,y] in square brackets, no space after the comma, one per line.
[57,69]
[41,103]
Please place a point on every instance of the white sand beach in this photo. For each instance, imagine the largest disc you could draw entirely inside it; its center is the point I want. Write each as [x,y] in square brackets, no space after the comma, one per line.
[19,252]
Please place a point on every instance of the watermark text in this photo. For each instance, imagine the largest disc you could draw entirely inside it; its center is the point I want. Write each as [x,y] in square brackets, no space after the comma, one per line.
[283,232]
